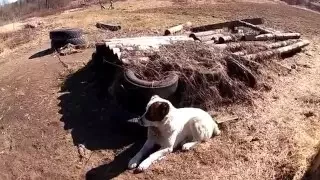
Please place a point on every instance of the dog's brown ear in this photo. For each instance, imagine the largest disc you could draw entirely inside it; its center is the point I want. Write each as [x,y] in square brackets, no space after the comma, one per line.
[163,109]
[157,111]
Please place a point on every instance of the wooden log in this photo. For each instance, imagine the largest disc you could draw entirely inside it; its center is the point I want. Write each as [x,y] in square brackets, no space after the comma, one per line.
[213,42]
[254,27]
[261,55]
[111,27]
[204,33]
[255,21]
[280,51]
[286,36]
[280,44]
[228,38]
[216,37]
[225,39]
[240,53]
[206,36]
[293,47]
[178,28]
[268,37]
[268,46]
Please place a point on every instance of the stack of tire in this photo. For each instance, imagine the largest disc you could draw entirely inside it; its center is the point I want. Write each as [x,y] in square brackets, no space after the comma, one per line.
[62,37]
[138,91]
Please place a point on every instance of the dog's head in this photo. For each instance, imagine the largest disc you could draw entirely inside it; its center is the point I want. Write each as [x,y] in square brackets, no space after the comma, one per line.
[156,111]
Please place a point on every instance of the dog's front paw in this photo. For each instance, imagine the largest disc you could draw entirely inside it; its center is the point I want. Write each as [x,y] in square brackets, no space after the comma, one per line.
[132,164]
[185,147]
[143,166]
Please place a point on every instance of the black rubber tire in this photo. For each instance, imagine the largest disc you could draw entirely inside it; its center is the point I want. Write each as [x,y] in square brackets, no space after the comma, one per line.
[138,92]
[66,33]
[60,43]
[166,84]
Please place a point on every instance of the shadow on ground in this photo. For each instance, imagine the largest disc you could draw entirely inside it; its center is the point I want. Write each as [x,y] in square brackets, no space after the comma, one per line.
[42,53]
[98,123]
[313,173]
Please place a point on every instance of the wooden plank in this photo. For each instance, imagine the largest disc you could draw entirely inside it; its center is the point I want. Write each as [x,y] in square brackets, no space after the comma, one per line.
[255,21]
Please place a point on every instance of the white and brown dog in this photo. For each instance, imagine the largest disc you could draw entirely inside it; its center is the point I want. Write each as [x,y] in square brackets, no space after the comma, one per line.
[170,127]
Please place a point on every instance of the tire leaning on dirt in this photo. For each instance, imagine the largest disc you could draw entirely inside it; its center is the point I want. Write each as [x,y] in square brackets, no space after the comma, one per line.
[66,33]
[138,92]
[74,41]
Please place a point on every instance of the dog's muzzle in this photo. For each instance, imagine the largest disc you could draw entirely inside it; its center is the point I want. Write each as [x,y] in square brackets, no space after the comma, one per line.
[140,121]
[137,120]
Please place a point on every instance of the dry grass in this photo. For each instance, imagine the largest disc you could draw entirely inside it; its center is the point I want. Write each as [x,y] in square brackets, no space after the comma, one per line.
[209,77]
[11,40]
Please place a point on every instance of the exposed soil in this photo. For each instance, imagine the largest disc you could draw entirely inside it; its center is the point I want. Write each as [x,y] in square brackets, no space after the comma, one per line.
[54,126]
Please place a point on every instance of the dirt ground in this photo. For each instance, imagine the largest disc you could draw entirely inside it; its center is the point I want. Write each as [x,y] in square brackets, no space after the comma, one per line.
[55,126]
